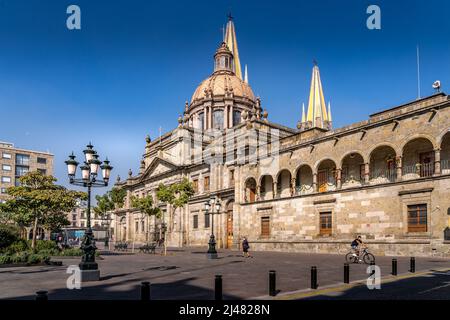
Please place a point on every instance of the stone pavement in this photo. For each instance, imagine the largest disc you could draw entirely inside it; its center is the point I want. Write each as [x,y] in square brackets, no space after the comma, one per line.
[187,274]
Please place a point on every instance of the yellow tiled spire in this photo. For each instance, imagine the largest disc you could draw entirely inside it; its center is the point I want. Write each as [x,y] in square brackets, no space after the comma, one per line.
[231,41]
[317,109]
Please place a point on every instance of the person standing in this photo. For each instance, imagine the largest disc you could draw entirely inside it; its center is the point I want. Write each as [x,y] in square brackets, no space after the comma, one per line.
[245,247]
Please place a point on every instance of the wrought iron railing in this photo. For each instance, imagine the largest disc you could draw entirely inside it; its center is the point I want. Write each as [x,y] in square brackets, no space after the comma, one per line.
[385,174]
[419,170]
[445,164]
[303,189]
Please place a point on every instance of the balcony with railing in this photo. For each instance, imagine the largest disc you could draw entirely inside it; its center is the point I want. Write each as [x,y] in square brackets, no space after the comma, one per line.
[419,170]
[304,190]
[379,176]
[445,166]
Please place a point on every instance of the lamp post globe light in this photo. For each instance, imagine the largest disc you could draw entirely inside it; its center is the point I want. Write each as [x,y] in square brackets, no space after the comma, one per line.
[212,207]
[89,179]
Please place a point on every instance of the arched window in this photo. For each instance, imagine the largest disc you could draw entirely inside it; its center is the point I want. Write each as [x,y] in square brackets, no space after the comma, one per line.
[218,119]
[236,117]
[201,120]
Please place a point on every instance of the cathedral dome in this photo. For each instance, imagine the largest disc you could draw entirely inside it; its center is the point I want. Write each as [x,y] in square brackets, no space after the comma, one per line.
[220,84]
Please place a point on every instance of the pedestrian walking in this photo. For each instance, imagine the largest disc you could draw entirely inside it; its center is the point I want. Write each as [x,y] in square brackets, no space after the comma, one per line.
[245,247]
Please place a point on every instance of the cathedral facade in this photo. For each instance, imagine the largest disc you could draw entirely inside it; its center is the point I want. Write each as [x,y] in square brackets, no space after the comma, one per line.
[306,189]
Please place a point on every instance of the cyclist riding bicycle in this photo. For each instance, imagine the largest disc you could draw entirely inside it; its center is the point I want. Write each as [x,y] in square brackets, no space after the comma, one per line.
[357,244]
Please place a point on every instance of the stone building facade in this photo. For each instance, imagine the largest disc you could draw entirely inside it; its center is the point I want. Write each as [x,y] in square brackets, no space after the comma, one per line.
[15,162]
[309,189]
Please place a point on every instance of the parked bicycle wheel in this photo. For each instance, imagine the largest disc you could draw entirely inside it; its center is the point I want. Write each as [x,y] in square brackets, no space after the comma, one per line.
[351,258]
[368,258]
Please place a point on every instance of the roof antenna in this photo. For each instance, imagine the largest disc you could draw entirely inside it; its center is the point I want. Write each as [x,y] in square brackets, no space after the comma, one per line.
[418,73]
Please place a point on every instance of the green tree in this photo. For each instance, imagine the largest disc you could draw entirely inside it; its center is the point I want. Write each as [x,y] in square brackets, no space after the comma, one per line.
[117,196]
[104,205]
[146,206]
[38,201]
[176,195]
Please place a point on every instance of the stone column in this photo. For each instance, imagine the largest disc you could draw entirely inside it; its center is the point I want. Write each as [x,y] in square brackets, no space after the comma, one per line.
[399,164]
[210,117]
[366,172]
[258,192]
[231,116]
[437,162]
[225,117]
[275,190]
[315,187]
[205,118]
[339,178]
[293,183]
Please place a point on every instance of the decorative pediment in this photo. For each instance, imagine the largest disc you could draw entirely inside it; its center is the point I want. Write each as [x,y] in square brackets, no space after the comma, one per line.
[157,167]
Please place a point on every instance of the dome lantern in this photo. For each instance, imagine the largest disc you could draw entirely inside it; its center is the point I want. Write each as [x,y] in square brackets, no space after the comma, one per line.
[223,59]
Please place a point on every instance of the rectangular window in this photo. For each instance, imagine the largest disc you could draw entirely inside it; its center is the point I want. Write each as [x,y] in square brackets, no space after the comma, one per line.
[136,226]
[195,222]
[142,227]
[195,185]
[41,160]
[22,159]
[6,179]
[3,190]
[236,117]
[417,218]
[232,177]
[74,217]
[207,220]
[6,167]
[82,224]
[325,223]
[21,170]
[6,155]
[43,171]
[206,184]
[265,227]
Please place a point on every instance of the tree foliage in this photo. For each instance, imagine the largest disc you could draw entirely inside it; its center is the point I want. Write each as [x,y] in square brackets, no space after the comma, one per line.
[40,202]
[104,204]
[145,205]
[117,196]
[177,194]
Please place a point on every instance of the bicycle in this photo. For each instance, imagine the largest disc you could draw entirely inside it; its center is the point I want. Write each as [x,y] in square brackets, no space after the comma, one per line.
[364,255]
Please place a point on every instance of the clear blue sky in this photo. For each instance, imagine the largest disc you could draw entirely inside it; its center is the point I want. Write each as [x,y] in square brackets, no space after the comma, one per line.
[134,63]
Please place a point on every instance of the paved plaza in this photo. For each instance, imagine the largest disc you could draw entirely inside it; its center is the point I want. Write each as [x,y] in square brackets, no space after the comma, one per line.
[187,274]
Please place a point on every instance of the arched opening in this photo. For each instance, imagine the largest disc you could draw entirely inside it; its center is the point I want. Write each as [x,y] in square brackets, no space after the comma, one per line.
[304,180]
[326,176]
[266,189]
[250,190]
[284,184]
[383,165]
[418,159]
[445,154]
[218,119]
[353,169]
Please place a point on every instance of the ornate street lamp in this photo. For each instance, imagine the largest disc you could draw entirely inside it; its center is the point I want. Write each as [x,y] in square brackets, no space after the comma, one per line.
[89,179]
[214,205]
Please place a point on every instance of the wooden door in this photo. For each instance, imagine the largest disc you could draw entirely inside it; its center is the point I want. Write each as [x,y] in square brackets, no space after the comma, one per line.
[322,180]
[252,196]
[230,229]
[427,164]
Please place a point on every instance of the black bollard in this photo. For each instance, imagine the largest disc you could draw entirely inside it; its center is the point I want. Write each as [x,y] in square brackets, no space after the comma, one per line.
[346,273]
[41,296]
[218,287]
[314,278]
[272,283]
[412,267]
[145,291]
[394,267]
